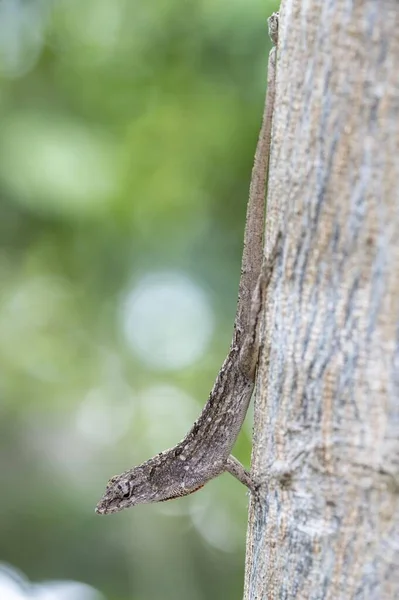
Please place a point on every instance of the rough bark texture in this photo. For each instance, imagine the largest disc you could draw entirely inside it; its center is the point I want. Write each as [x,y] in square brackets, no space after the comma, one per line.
[326,439]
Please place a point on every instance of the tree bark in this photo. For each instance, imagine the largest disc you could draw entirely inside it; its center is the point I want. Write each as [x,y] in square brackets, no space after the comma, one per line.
[326,435]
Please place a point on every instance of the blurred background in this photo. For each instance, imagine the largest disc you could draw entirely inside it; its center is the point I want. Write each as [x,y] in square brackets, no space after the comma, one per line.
[127,135]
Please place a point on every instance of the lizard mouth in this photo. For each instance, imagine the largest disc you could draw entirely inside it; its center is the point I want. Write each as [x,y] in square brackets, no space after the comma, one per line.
[103,509]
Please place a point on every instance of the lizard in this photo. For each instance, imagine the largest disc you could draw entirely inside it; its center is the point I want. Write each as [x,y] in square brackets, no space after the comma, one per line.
[204,453]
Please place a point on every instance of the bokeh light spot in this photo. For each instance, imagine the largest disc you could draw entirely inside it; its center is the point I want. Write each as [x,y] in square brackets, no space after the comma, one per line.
[104,419]
[167,321]
[22,26]
[57,165]
[14,586]
[213,522]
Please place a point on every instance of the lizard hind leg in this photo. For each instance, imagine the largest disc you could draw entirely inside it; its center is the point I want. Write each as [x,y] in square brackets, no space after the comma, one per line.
[235,468]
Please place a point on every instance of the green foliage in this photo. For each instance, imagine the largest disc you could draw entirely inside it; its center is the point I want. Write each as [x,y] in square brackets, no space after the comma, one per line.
[128,131]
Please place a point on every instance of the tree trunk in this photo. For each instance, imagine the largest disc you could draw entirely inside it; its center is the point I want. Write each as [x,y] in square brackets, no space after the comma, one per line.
[326,437]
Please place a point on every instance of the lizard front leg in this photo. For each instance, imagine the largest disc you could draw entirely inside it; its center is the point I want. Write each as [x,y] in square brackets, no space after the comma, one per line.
[235,468]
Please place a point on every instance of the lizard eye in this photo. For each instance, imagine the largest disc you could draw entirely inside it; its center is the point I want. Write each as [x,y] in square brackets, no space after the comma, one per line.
[124,490]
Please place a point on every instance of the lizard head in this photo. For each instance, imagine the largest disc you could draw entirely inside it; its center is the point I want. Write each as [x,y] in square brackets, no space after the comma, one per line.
[123,491]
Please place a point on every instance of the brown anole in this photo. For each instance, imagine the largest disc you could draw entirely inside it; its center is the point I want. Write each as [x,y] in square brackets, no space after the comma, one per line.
[205,451]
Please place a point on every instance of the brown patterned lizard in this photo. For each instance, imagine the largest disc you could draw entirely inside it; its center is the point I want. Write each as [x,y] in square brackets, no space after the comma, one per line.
[205,451]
